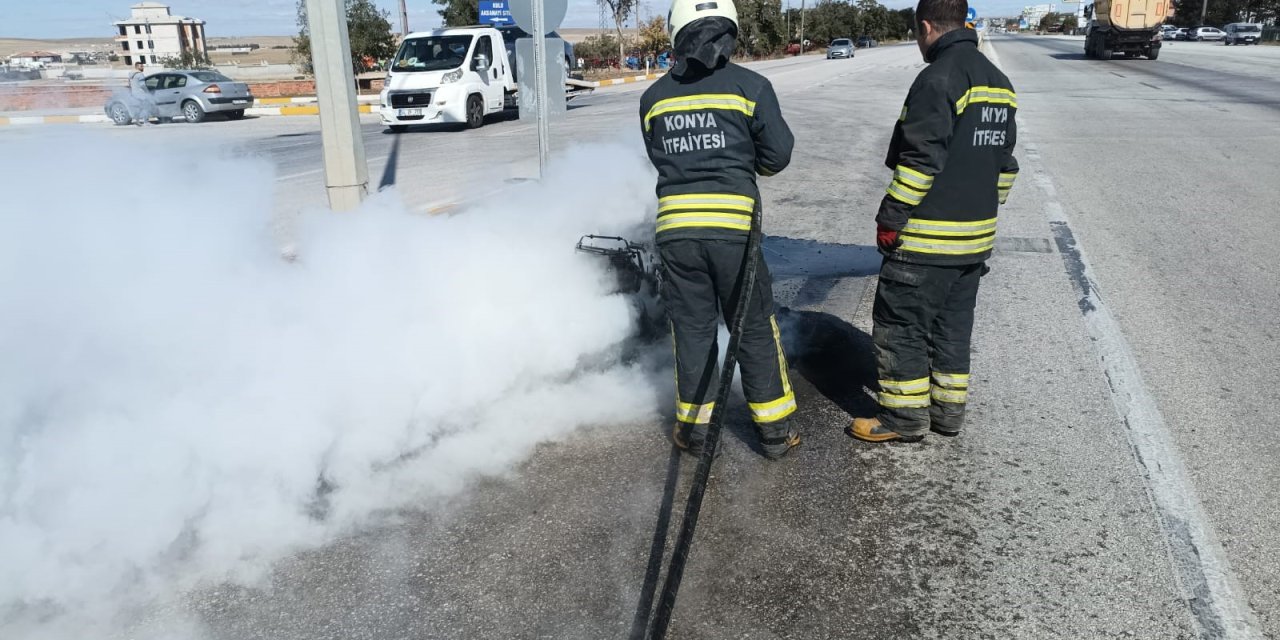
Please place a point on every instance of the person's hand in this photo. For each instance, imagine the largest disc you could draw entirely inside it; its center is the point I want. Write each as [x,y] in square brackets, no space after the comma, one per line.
[887,239]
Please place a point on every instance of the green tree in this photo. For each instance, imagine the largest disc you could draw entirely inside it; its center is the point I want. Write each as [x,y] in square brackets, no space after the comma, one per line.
[1070,23]
[459,13]
[188,60]
[368,29]
[619,11]
[761,27]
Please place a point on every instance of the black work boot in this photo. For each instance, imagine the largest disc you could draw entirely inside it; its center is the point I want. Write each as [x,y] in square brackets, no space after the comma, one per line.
[777,448]
[690,439]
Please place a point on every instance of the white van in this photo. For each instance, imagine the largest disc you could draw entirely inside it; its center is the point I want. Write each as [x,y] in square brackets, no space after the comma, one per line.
[457,75]
[1243,33]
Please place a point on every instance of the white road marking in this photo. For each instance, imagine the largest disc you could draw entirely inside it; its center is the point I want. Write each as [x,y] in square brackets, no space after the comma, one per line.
[312,172]
[1218,605]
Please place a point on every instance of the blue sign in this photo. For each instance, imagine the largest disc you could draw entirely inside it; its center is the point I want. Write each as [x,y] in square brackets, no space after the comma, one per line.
[973,15]
[1022,24]
[495,12]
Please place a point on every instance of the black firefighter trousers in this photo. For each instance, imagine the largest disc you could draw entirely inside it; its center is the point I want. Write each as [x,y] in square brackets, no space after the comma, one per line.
[702,282]
[922,323]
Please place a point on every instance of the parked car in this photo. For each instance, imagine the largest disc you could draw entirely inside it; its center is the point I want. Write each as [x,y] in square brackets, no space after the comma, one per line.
[840,48]
[1180,33]
[1205,33]
[1243,33]
[866,42]
[190,95]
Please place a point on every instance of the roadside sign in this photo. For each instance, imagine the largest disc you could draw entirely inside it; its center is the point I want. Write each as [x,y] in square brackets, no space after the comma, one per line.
[973,15]
[552,14]
[1022,24]
[526,79]
[495,12]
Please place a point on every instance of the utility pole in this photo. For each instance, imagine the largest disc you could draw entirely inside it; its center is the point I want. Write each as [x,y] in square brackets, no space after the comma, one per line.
[346,173]
[1204,9]
[801,27]
[404,19]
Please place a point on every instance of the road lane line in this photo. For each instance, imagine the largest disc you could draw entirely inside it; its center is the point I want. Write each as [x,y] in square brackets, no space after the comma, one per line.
[1218,605]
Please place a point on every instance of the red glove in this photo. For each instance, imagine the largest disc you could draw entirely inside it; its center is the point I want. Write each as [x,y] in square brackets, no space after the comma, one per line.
[887,239]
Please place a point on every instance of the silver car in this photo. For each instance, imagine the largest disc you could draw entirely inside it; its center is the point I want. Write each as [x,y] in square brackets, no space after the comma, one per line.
[190,95]
[840,48]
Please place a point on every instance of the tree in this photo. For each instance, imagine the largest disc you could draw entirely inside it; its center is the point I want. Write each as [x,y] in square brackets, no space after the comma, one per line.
[619,10]
[459,13]
[368,29]
[653,36]
[188,60]
[761,27]
[1070,23]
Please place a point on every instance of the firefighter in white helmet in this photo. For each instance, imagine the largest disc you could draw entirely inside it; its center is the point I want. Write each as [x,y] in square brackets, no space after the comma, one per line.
[710,127]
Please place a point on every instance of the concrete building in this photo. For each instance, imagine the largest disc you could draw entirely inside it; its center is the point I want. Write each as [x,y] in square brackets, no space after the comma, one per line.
[151,34]
[1033,14]
[34,59]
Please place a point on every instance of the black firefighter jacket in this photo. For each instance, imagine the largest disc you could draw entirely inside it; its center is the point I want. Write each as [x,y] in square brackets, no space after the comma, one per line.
[709,131]
[952,156]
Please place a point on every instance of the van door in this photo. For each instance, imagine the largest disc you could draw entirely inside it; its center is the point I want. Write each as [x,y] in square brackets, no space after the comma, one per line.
[492,81]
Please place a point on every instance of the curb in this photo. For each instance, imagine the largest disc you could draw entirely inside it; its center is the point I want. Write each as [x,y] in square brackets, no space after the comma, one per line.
[629,79]
[30,120]
[302,110]
[258,102]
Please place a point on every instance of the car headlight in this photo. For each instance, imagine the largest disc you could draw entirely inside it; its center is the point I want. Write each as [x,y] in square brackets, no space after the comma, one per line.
[452,76]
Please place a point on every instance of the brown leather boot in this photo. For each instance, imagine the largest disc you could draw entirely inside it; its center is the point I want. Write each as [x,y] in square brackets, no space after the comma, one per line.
[870,430]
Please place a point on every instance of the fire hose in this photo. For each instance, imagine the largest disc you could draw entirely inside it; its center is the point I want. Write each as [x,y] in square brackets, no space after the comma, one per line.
[680,554]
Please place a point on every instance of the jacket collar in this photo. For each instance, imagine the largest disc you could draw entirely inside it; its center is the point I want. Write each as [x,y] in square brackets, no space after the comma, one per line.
[963,36]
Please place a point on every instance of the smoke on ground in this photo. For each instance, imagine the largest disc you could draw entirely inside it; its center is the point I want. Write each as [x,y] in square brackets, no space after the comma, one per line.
[180,407]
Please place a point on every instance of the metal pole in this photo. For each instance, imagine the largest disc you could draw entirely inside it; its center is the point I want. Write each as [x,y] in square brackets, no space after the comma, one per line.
[346,174]
[1204,9]
[540,86]
[404,19]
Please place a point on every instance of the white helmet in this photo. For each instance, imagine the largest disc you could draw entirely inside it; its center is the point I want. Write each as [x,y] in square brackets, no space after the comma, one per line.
[684,12]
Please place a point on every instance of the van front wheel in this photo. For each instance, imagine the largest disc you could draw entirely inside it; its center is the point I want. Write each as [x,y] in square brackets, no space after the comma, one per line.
[475,112]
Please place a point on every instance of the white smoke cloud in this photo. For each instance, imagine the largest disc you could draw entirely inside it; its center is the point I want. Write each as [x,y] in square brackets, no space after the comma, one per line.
[173,394]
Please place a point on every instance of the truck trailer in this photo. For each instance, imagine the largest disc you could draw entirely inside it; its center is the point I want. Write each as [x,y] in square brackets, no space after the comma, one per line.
[1128,27]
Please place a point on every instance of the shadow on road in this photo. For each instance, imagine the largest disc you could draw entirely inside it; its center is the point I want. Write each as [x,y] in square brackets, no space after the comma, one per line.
[1068,56]
[833,355]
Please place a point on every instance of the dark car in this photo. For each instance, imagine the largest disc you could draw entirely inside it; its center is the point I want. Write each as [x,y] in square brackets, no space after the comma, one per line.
[866,42]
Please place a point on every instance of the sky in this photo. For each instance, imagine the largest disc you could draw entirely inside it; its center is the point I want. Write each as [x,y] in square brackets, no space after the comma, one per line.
[87,18]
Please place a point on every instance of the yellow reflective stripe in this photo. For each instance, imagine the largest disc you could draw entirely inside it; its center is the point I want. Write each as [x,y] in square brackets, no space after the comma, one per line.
[694,413]
[902,117]
[723,101]
[907,387]
[958,396]
[914,401]
[1006,180]
[911,178]
[951,380]
[950,228]
[773,411]
[731,202]
[904,194]
[669,221]
[983,94]
[946,247]
[782,357]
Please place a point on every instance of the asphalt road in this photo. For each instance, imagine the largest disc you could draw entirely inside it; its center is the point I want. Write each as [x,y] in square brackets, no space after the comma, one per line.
[1046,519]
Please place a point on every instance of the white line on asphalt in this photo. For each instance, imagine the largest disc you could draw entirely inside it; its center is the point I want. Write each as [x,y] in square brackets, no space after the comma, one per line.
[1218,605]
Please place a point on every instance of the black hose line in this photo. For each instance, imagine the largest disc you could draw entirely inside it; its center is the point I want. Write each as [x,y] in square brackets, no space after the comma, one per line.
[680,555]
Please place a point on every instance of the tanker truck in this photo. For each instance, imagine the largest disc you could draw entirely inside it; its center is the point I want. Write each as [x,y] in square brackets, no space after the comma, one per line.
[1129,27]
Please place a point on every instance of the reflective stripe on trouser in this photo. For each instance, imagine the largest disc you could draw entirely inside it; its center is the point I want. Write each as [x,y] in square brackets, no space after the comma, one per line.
[947,237]
[721,210]
[702,277]
[922,323]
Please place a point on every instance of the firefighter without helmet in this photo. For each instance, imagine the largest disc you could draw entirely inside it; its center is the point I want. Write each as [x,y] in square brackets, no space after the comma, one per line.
[685,12]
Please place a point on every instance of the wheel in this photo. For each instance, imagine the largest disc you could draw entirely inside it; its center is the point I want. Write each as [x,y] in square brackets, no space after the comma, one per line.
[1153,54]
[235,115]
[1104,52]
[398,128]
[475,112]
[192,112]
[119,114]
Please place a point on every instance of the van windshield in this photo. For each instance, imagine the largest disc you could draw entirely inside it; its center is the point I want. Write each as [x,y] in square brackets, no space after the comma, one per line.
[433,53]
[1248,28]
